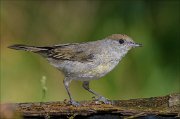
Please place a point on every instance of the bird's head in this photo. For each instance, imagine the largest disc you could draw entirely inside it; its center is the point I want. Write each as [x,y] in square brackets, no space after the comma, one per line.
[124,42]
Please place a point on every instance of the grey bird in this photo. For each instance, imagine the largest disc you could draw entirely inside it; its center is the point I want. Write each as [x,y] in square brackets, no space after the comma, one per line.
[85,61]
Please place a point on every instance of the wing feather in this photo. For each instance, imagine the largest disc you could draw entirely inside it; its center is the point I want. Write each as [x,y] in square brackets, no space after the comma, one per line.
[70,52]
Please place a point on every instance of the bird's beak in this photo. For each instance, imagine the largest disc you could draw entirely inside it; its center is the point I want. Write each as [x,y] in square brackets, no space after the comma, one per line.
[135,44]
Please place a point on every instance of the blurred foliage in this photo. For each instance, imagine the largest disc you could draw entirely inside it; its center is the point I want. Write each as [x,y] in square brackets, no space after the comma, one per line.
[152,70]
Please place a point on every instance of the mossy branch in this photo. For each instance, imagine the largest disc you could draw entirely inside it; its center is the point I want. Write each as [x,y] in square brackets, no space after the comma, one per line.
[165,106]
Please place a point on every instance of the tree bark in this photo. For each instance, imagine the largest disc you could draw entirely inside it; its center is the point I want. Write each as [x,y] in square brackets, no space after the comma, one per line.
[156,107]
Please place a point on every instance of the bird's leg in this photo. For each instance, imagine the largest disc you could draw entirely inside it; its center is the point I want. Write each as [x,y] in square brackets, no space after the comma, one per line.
[66,84]
[100,98]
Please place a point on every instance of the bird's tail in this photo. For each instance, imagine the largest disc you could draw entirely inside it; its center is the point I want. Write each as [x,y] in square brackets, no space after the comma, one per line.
[28,48]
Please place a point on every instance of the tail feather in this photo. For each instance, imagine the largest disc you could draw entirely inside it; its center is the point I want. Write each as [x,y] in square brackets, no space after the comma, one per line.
[27,48]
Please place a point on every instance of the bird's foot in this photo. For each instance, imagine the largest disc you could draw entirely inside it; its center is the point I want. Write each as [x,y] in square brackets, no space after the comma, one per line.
[103,99]
[74,103]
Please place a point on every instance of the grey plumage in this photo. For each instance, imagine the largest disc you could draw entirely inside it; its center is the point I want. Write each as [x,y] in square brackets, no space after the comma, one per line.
[85,61]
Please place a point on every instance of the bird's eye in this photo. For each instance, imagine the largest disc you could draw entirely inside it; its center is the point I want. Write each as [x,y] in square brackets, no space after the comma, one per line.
[121,41]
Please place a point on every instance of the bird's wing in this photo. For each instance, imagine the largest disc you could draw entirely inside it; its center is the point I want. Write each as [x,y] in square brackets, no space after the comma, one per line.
[70,52]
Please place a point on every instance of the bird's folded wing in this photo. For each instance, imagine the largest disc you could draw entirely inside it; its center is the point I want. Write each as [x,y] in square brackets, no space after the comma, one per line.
[71,53]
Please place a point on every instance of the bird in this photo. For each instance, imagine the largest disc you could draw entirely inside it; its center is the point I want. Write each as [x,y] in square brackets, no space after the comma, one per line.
[85,61]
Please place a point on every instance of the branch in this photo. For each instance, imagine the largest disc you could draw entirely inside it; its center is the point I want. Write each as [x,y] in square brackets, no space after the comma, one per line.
[165,106]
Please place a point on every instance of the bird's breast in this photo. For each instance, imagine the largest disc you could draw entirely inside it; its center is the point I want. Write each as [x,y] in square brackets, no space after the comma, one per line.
[98,71]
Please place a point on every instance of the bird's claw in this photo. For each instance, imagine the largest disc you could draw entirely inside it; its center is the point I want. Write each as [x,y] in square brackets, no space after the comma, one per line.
[103,99]
[74,103]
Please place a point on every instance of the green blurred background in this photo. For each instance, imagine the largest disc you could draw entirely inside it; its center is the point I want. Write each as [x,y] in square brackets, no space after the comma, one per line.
[152,70]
